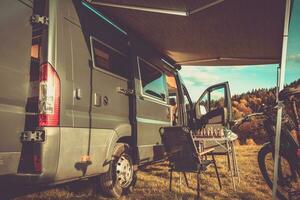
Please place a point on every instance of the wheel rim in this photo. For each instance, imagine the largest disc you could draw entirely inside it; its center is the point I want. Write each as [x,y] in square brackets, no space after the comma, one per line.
[286,182]
[124,171]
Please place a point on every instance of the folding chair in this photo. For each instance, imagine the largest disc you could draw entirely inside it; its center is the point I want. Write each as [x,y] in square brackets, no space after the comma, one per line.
[184,156]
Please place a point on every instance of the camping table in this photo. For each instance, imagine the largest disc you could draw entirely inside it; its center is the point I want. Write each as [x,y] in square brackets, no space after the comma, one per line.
[224,146]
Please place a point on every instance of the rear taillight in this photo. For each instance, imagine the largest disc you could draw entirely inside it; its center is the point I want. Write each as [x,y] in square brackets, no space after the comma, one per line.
[298,152]
[49,96]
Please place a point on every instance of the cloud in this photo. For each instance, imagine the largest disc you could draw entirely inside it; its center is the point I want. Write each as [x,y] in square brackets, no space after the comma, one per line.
[197,79]
[198,76]
[294,57]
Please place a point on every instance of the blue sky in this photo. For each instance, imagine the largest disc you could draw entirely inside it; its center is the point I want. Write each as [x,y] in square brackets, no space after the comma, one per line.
[293,53]
[245,78]
[241,78]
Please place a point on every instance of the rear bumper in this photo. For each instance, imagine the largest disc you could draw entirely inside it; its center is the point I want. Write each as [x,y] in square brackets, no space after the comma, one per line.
[21,179]
[9,162]
[11,166]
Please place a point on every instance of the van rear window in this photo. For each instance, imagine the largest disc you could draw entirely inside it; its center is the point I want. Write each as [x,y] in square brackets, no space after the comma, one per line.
[108,59]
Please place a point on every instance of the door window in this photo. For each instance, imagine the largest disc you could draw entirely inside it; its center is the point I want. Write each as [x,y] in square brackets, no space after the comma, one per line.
[217,97]
[153,81]
[204,103]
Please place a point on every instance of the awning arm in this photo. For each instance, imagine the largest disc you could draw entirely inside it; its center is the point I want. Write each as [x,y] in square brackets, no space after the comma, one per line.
[204,7]
[262,60]
[139,8]
[156,10]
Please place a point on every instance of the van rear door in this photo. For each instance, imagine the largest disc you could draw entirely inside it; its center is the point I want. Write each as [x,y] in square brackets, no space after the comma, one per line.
[15,50]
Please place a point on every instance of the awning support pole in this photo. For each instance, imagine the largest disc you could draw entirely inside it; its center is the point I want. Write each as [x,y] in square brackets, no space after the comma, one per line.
[281,85]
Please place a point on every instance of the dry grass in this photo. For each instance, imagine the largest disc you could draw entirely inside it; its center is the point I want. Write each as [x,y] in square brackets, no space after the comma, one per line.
[153,183]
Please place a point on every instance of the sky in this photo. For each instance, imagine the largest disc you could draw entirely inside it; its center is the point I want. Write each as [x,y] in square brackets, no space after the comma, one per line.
[293,53]
[245,78]
[241,78]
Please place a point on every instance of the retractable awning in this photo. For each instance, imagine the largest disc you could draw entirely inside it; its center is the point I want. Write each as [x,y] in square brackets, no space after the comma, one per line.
[211,32]
[205,32]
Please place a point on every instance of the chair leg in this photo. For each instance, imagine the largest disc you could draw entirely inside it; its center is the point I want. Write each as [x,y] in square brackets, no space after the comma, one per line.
[217,172]
[186,180]
[198,186]
[228,162]
[170,184]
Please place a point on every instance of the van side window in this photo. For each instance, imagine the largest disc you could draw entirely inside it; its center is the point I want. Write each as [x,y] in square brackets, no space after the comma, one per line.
[153,81]
[108,59]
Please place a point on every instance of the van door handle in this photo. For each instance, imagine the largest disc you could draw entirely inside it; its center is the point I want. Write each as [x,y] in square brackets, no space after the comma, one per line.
[97,100]
[78,94]
[125,91]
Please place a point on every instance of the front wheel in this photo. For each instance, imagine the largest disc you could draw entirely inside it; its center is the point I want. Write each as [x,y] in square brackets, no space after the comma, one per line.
[121,177]
[287,178]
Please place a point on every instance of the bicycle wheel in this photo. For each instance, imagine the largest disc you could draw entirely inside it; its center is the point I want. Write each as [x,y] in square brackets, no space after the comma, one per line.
[287,178]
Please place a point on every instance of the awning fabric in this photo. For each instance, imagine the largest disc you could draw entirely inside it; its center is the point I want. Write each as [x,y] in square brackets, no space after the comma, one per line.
[233,32]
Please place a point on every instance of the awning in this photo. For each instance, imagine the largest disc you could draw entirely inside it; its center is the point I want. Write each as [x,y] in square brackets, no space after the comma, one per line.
[204,32]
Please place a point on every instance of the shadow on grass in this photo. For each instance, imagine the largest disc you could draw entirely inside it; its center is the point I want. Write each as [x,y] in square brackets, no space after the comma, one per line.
[77,190]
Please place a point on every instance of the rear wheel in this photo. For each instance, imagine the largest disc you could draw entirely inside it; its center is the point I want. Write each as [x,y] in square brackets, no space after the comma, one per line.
[287,178]
[120,178]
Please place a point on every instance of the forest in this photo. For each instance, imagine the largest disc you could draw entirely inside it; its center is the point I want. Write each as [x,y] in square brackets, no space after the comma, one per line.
[251,102]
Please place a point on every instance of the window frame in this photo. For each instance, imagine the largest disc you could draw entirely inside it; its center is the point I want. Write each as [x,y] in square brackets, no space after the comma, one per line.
[148,96]
[92,39]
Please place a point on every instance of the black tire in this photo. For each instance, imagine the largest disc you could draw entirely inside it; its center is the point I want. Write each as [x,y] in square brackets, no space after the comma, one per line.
[109,183]
[262,158]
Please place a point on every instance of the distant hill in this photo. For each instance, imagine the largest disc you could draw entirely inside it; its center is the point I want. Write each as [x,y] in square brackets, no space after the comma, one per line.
[250,102]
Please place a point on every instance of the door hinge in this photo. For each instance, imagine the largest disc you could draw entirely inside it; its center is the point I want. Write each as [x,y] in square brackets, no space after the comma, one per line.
[33,136]
[39,19]
[125,91]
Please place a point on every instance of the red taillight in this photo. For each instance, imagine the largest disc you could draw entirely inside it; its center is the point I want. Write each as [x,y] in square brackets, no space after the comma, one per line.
[49,96]
[298,152]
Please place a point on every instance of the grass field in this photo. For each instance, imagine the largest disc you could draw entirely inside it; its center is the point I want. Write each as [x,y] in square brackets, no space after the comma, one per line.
[153,182]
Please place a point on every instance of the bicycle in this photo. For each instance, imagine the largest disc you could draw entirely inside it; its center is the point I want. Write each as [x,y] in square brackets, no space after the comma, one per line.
[289,153]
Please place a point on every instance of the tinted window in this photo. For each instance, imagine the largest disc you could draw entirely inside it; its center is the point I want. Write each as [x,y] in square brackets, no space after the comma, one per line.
[109,59]
[153,81]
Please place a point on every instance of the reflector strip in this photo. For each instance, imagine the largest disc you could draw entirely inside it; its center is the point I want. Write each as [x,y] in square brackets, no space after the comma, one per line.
[37,163]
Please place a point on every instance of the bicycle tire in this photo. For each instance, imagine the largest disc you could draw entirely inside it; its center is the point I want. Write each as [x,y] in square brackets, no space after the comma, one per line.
[264,151]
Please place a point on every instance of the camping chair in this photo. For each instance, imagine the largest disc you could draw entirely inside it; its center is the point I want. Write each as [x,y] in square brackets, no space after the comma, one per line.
[223,143]
[183,154]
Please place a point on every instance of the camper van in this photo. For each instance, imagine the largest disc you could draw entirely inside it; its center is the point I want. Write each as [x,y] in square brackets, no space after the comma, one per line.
[82,96]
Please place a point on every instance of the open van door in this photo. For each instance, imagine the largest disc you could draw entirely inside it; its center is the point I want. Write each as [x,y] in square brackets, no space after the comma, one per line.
[214,106]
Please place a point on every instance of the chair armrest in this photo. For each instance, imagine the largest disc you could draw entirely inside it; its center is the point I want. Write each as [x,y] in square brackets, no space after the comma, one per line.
[206,151]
